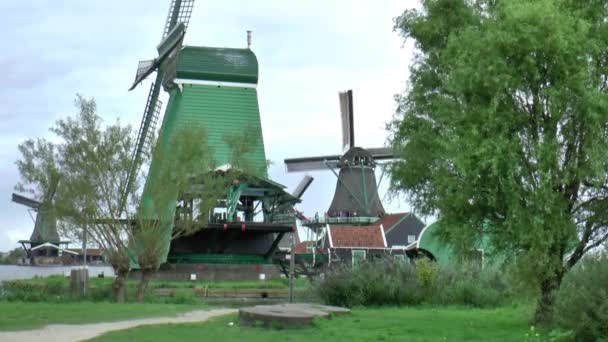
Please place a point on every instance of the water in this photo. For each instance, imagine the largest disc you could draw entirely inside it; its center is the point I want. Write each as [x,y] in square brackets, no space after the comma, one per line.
[12,272]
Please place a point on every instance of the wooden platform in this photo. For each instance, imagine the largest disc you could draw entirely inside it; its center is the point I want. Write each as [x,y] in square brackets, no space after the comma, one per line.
[288,315]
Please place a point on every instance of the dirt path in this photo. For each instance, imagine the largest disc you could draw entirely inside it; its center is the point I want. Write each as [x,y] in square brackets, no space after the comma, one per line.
[73,332]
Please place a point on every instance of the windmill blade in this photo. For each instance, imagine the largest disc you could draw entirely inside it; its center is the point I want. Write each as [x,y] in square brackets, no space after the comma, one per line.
[381,153]
[170,42]
[311,163]
[301,188]
[346,113]
[144,137]
[52,187]
[144,68]
[180,11]
[28,202]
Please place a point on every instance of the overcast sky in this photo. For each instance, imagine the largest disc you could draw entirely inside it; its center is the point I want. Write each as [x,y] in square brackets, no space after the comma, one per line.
[307,51]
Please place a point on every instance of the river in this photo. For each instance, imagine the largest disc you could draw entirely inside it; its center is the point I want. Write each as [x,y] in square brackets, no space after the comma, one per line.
[12,272]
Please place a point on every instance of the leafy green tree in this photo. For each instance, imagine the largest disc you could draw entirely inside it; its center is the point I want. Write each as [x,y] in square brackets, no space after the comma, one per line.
[94,163]
[13,257]
[163,213]
[503,131]
[38,168]
[241,144]
[183,169]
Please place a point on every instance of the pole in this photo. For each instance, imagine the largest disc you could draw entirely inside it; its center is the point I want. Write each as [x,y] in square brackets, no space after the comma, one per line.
[292,264]
[84,248]
[85,273]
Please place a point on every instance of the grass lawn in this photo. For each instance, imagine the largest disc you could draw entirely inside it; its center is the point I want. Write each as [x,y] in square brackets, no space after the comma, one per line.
[55,289]
[19,316]
[240,284]
[392,324]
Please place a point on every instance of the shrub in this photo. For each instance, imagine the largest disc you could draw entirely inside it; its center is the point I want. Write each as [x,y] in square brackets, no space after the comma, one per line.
[56,285]
[372,283]
[582,302]
[100,293]
[388,282]
[26,291]
[466,284]
[427,273]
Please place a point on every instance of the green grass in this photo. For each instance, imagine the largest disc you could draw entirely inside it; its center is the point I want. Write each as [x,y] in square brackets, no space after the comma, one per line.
[20,316]
[392,324]
[243,284]
[55,289]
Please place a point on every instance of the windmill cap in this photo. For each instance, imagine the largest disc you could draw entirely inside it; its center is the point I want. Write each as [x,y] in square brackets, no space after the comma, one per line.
[356,155]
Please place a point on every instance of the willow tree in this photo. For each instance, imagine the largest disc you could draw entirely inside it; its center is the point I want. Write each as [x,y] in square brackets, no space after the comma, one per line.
[181,190]
[504,128]
[94,163]
[159,218]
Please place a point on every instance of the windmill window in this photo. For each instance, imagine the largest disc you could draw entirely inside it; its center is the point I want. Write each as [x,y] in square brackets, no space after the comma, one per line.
[411,238]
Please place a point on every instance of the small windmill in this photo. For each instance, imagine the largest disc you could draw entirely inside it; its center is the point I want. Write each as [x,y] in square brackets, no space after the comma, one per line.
[45,226]
[168,49]
[356,191]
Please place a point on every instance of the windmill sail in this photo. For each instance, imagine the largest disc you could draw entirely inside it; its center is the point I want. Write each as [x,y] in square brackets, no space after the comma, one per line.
[28,202]
[144,68]
[144,136]
[346,113]
[171,40]
[180,11]
[304,184]
[311,163]
[381,153]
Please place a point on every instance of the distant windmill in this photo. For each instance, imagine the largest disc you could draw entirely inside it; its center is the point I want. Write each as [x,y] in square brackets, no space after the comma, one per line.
[356,191]
[45,226]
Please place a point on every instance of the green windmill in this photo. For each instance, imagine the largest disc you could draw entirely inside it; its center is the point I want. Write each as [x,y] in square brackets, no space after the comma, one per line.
[215,88]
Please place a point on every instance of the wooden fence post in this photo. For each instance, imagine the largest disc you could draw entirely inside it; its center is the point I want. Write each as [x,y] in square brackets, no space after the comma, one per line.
[79,282]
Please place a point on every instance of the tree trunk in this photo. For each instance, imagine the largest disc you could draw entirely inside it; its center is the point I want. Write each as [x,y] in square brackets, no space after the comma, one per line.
[146,276]
[120,285]
[548,290]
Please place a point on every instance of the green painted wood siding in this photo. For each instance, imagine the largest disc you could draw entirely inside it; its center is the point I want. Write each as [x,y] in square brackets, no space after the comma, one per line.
[222,111]
[217,64]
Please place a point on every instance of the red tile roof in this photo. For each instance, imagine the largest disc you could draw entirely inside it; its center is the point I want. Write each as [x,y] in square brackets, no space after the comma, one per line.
[390,220]
[356,236]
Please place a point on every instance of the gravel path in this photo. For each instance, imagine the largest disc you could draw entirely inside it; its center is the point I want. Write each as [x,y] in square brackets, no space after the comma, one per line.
[72,332]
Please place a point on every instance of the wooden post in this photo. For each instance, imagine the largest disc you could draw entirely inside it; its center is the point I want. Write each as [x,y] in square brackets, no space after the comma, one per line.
[84,247]
[79,282]
[84,252]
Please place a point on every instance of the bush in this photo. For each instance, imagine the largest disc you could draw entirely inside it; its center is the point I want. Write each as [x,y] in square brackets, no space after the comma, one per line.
[582,302]
[22,290]
[56,285]
[468,285]
[427,273]
[388,282]
[372,283]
